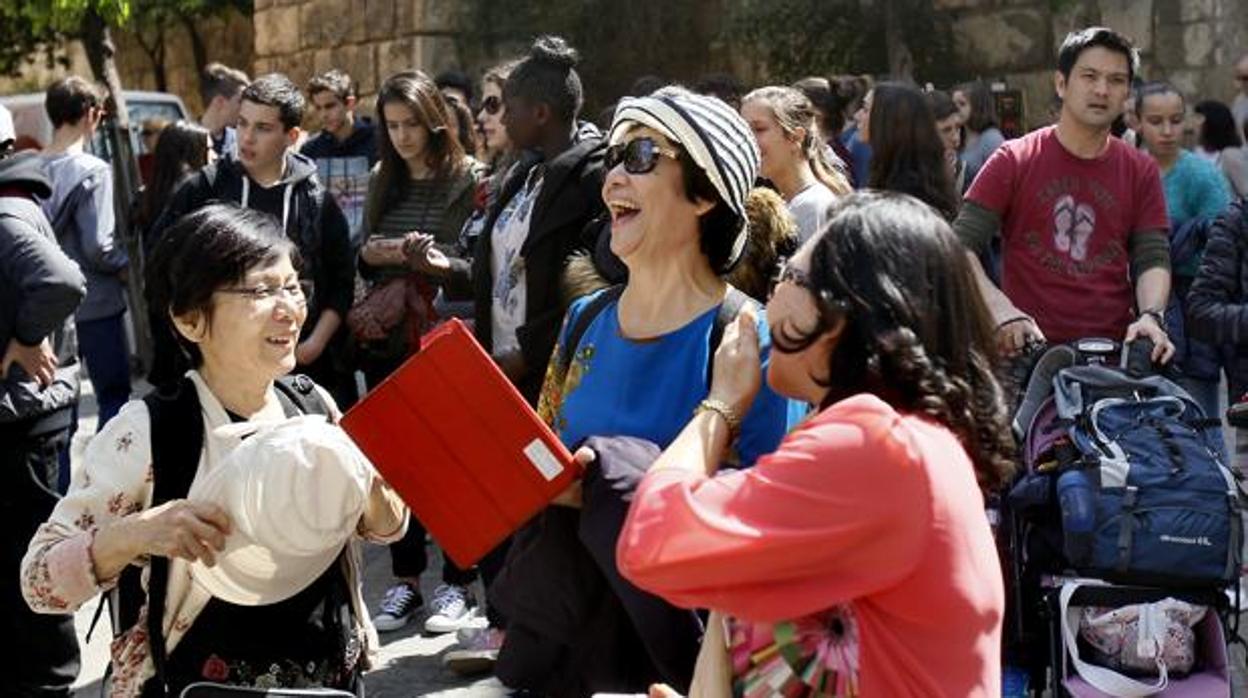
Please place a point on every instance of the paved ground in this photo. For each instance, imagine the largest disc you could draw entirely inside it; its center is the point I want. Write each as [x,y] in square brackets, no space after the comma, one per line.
[410,664]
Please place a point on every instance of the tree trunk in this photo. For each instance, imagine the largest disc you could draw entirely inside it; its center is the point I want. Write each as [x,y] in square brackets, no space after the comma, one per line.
[900,59]
[198,50]
[156,55]
[101,52]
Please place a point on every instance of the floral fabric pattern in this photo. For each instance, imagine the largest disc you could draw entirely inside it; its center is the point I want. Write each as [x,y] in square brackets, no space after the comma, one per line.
[58,573]
[815,656]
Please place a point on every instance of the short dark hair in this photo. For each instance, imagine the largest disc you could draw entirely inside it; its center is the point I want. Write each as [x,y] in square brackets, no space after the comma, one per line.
[547,75]
[941,104]
[1218,131]
[334,81]
[455,79]
[221,80]
[276,90]
[205,251]
[69,99]
[1077,42]
[725,86]
[717,228]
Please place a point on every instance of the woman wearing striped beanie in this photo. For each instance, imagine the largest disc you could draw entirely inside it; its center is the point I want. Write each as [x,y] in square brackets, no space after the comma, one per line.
[633,361]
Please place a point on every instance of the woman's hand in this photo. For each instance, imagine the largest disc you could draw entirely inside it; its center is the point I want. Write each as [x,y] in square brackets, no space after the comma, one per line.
[179,528]
[384,252]
[738,368]
[422,256]
[383,513]
[572,496]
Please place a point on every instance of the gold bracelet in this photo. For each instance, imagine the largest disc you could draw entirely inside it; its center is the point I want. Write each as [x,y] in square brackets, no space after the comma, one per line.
[722,409]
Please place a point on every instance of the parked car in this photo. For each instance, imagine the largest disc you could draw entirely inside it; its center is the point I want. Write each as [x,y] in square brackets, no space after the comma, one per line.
[30,119]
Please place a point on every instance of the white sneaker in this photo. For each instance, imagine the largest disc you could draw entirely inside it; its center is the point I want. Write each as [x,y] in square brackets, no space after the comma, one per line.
[477,653]
[452,608]
[397,607]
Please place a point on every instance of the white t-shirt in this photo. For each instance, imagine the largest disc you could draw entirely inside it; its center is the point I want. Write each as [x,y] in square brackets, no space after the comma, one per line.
[810,209]
[507,265]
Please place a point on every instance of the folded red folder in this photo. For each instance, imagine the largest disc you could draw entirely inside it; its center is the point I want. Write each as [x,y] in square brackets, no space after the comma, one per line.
[459,443]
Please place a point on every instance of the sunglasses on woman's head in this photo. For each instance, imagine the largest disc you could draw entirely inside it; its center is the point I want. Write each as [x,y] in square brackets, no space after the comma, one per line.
[492,105]
[640,155]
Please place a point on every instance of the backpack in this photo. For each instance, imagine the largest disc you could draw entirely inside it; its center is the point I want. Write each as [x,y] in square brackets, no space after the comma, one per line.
[734,301]
[1130,469]
[177,429]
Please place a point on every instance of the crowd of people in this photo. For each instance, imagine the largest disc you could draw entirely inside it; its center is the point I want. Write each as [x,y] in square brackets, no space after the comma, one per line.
[784,390]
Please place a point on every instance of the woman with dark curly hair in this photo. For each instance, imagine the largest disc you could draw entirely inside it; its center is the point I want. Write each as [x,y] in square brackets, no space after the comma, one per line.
[867,523]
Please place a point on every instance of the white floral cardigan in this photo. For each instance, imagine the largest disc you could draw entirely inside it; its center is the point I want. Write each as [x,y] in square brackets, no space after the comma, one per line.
[58,573]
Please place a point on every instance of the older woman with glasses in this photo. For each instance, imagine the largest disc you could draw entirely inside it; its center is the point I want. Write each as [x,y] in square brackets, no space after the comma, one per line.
[856,558]
[632,362]
[228,279]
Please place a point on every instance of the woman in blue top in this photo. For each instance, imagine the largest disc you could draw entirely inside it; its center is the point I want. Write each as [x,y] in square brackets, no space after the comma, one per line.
[679,170]
[1195,192]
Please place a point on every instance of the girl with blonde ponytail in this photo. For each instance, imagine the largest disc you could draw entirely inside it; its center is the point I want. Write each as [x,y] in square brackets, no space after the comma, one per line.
[795,157]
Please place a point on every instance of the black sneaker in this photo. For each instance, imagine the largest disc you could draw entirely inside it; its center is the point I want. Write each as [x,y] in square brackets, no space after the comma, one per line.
[397,607]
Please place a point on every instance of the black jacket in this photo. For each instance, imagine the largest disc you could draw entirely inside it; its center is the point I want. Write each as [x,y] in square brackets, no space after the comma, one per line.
[575,626]
[571,197]
[361,143]
[1217,304]
[313,221]
[39,289]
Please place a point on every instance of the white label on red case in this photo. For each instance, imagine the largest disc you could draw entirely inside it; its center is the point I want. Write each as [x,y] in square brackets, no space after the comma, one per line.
[542,459]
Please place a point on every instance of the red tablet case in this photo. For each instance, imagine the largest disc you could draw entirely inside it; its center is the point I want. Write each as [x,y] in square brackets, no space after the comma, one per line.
[460,445]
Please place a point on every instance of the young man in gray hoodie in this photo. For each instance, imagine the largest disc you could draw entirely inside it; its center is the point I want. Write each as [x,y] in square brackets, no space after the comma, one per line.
[81,211]
[39,289]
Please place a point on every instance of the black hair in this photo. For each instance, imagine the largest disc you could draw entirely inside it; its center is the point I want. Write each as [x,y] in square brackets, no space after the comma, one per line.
[983,106]
[547,75]
[646,84]
[181,148]
[725,86]
[1218,132]
[917,333]
[908,154]
[1077,42]
[457,80]
[717,228]
[335,82]
[941,104]
[69,99]
[276,90]
[206,250]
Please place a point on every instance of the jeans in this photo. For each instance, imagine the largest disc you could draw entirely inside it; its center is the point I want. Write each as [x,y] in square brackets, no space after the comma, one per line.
[42,658]
[102,344]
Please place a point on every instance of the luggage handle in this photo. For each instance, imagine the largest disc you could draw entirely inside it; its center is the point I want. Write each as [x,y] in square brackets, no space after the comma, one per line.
[1102,679]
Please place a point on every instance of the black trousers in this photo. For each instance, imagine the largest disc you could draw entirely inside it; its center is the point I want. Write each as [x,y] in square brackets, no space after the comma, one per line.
[43,658]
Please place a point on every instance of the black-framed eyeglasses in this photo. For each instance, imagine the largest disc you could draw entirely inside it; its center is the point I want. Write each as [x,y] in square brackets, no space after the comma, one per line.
[492,105]
[297,293]
[640,155]
[786,272]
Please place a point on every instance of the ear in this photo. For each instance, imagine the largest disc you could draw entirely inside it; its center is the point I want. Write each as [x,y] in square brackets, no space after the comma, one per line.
[193,325]
[542,114]
[703,207]
[799,136]
[349,102]
[292,136]
[1059,84]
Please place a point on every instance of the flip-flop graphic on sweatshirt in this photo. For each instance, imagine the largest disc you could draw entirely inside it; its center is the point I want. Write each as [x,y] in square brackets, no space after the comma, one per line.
[1072,227]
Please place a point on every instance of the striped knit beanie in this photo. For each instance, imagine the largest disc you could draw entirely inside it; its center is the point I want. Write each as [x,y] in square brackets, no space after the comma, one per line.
[714,135]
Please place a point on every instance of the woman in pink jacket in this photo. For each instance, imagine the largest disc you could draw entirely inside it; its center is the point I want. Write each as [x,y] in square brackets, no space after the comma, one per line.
[857,559]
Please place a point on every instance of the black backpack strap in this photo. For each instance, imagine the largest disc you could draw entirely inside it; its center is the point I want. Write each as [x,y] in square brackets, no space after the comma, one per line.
[298,395]
[734,301]
[581,324]
[177,427]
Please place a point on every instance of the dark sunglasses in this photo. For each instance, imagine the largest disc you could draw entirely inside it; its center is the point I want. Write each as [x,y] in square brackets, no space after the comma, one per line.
[491,105]
[640,155]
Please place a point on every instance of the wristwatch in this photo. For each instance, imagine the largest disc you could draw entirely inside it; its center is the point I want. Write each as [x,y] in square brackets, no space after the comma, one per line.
[1158,314]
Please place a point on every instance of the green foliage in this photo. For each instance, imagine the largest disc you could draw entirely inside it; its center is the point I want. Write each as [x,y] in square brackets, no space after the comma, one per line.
[794,38]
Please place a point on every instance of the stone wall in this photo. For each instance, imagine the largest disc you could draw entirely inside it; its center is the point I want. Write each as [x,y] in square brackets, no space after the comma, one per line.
[1192,43]
[375,38]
